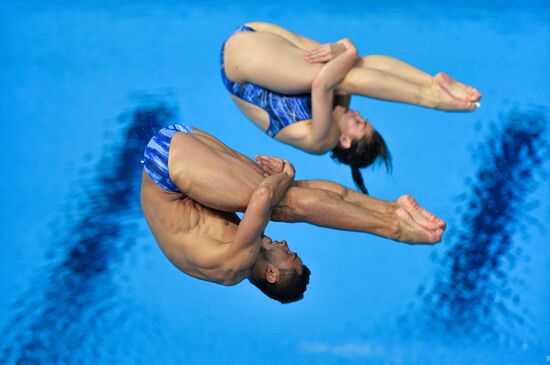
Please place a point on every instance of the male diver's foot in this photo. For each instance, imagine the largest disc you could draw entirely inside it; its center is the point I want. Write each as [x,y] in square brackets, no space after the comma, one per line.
[410,231]
[419,214]
[457,89]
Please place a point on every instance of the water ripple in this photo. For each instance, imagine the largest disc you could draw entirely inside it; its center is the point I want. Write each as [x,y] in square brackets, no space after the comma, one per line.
[476,291]
[65,315]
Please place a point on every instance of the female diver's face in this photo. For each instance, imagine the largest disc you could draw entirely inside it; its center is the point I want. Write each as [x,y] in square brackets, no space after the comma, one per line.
[353,127]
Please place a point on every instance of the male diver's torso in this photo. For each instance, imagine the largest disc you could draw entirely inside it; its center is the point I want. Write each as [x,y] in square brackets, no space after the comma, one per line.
[184,229]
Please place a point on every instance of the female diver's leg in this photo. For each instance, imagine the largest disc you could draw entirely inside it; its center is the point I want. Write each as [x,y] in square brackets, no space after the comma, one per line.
[387,64]
[270,61]
[397,68]
[383,85]
[412,74]
[273,62]
[298,40]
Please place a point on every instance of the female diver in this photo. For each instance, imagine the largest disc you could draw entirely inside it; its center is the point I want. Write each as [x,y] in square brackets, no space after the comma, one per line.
[298,91]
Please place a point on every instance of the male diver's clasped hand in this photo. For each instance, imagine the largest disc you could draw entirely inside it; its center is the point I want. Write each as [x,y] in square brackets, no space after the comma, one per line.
[274,165]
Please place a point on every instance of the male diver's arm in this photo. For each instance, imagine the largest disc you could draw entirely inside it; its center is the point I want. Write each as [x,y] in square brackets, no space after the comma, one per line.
[257,215]
[323,130]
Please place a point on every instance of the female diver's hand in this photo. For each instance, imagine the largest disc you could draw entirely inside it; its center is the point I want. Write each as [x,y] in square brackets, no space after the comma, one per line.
[325,53]
[274,165]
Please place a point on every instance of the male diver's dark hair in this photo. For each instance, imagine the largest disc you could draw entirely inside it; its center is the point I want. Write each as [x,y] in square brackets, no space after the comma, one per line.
[363,153]
[289,287]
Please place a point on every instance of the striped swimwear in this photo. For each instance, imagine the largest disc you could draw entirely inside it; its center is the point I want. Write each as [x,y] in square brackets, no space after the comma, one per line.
[156,156]
[283,109]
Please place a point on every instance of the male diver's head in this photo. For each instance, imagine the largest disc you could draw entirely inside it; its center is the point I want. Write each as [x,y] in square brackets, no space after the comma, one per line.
[279,273]
[359,144]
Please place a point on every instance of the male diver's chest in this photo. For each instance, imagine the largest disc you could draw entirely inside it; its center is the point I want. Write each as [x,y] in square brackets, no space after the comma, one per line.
[221,226]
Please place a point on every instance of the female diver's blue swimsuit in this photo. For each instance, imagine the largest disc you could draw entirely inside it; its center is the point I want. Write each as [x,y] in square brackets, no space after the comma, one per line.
[283,110]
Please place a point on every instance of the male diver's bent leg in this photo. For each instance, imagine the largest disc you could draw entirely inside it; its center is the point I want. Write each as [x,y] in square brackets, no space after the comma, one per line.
[211,176]
[222,181]
[419,214]
[328,209]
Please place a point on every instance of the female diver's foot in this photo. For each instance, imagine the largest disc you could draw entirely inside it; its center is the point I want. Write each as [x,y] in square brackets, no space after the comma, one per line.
[457,89]
[419,214]
[410,231]
[440,98]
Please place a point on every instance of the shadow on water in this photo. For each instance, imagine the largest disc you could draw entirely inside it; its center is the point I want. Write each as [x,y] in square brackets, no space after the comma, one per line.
[475,293]
[57,320]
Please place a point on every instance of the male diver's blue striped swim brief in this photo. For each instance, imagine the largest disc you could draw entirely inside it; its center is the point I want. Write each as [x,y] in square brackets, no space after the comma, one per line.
[156,156]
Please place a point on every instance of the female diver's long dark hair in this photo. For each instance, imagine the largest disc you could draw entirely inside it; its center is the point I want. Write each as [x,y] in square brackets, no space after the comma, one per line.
[363,153]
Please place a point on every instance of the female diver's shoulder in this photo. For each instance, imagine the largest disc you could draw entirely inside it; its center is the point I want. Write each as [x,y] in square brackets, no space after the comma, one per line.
[299,135]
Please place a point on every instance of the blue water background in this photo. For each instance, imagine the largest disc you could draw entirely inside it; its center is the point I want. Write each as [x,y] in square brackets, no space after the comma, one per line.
[83,281]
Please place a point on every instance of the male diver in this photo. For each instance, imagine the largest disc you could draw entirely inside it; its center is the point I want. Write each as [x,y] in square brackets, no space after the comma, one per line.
[193,184]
